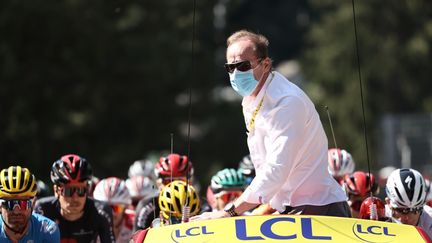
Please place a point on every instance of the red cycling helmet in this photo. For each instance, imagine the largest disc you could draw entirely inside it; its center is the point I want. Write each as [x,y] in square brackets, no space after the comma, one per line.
[173,165]
[70,168]
[360,183]
[372,208]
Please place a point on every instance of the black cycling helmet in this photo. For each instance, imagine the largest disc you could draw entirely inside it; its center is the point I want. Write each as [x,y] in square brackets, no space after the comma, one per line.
[70,168]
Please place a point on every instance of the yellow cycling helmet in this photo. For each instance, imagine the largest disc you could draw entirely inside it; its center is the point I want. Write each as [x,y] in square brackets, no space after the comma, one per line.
[16,181]
[172,199]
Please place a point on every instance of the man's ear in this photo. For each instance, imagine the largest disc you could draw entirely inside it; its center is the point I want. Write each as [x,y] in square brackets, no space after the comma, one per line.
[267,63]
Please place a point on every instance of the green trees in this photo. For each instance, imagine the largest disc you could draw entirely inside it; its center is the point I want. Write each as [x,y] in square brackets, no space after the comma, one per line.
[395,50]
[98,79]
[109,80]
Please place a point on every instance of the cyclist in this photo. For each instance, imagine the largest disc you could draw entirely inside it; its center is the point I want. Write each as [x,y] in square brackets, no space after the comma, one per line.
[340,164]
[406,196]
[373,208]
[113,191]
[18,224]
[80,218]
[167,169]
[226,185]
[383,174]
[141,168]
[141,187]
[358,186]
[172,199]
[247,169]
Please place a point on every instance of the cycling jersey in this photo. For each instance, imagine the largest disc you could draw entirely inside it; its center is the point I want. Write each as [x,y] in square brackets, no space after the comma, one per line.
[41,230]
[126,227]
[96,221]
[425,221]
[146,211]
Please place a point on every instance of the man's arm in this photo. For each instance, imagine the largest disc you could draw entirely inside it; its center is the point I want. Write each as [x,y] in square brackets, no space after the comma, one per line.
[106,231]
[145,213]
[241,206]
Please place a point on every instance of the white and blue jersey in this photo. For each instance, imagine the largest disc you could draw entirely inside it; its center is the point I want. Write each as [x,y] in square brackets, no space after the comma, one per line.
[41,229]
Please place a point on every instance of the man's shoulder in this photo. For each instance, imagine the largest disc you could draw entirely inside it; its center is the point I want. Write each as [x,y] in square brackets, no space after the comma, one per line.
[98,208]
[146,201]
[427,213]
[427,209]
[44,228]
[96,205]
[46,223]
[426,219]
[45,205]
[46,200]
[283,92]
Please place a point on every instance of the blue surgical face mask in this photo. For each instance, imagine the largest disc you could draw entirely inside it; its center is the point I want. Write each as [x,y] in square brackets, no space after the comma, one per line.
[243,83]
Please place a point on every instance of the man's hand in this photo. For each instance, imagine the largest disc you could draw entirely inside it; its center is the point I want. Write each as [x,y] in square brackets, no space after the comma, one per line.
[210,215]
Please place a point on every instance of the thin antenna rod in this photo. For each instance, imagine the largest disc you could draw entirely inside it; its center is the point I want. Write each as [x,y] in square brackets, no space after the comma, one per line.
[171,169]
[172,145]
[361,91]
[185,212]
[331,126]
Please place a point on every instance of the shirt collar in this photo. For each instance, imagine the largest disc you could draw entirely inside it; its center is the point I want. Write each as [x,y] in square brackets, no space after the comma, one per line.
[252,102]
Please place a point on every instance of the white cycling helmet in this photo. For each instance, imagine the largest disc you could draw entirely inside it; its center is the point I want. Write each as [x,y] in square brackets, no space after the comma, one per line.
[340,162]
[406,188]
[141,168]
[141,187]
[112,190]
[428,190]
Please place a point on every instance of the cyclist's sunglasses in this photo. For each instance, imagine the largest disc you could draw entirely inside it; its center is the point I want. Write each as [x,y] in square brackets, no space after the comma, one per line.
[407,210]
[118,208]
[22,204]
[241,66]
[69,191]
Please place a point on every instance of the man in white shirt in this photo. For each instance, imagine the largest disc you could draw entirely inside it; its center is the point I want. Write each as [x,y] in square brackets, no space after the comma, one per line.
[286,140]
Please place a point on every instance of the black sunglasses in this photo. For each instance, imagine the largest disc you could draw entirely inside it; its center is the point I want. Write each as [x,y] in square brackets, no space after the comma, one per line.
[407,210]
[22,204]
[241,66]
[69,191]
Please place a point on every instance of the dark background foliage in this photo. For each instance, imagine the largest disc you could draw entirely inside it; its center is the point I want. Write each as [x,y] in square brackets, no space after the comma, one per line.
[110,80]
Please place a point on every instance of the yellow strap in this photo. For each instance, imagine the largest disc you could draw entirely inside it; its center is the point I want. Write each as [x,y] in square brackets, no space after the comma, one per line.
[251,124]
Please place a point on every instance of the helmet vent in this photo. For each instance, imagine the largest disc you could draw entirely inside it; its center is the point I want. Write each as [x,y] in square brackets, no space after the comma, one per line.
[178,203]
[408,181]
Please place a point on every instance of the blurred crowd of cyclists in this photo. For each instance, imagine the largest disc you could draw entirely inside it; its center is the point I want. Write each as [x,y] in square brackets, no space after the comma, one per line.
[84,208]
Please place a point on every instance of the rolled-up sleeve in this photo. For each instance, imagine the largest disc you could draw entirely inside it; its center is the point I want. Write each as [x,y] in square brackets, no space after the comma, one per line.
[283,135]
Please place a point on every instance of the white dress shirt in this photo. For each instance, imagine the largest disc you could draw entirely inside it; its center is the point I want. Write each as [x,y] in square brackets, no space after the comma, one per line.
[288,147]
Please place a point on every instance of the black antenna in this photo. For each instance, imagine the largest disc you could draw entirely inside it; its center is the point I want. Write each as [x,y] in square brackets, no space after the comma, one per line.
[361,93]
[331,126]
[172,145]
[171,169]
[186,209]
